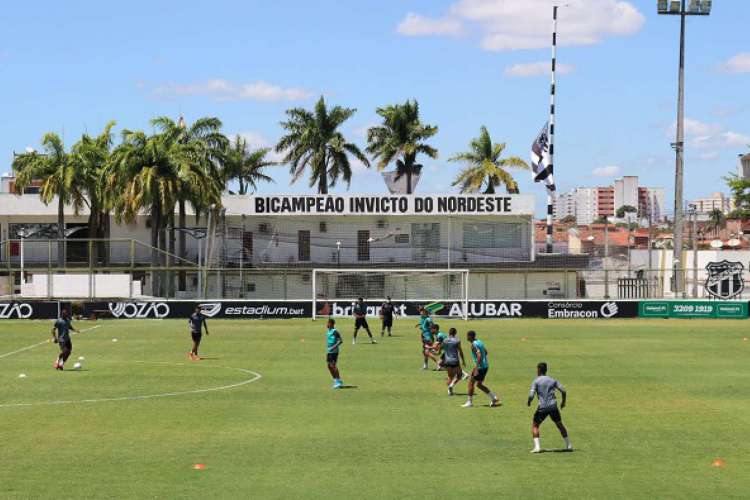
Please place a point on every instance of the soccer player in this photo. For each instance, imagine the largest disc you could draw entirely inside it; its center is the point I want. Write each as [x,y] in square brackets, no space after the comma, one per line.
[197,322]
[61,336]
[386,317]
[438,337]
[425,322]
[544,389]
[453,359]
[360,320]
[479,373]
[333,343]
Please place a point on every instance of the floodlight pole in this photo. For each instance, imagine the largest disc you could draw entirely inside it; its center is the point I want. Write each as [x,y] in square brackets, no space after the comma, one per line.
[679,146]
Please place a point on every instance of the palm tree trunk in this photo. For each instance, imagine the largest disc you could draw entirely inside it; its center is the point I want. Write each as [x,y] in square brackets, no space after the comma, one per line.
[408,182]
[242,185]
[182,279]
[490,187]
[170,258]
[61,233]
[323,183]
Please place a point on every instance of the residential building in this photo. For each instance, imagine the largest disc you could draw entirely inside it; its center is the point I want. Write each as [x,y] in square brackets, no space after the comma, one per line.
[589,204]
[717,201]
[743,167]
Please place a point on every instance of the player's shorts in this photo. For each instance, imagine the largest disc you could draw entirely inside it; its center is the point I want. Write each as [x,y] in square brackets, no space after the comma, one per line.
[332,358]
[451,364]
[65,343]
[196,336]
[361,323]
[388,322]
[481,374]
[542,413]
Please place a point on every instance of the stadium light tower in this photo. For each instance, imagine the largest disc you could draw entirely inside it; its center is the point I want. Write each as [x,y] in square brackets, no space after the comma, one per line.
[682,9]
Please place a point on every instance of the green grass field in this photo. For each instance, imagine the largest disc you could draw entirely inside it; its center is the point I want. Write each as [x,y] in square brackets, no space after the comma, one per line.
[651,405]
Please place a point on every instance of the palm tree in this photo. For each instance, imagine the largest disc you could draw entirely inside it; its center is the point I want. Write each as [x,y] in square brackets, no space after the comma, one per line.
[60,178]
[92,156]
[401,138]
[204,146]
[485,166]
[313,140]
[717,221]
[245,165]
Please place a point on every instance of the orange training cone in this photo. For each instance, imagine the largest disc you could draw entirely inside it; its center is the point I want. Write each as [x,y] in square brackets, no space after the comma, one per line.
[199,466]
[718,463]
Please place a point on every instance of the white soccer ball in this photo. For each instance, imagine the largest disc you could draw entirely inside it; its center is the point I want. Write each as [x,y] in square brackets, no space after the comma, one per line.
[22,375]
[77,366]
[114,340]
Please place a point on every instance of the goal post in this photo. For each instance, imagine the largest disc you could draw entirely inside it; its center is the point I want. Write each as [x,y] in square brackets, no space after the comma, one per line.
[340,287]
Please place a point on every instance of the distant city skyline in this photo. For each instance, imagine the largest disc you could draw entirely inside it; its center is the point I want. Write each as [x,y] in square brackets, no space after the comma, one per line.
[69,68]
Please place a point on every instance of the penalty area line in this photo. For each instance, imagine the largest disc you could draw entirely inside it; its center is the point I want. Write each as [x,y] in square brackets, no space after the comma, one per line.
[27,348]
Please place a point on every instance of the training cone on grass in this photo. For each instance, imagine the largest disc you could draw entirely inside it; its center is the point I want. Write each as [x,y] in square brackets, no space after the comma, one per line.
[718,462]
[199,466]
[744,339]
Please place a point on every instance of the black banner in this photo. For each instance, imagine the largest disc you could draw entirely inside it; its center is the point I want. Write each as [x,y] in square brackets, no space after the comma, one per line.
[479,309]
[30,309]
[133,309]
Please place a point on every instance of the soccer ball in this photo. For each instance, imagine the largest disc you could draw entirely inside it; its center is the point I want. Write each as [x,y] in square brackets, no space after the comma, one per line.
[77,366]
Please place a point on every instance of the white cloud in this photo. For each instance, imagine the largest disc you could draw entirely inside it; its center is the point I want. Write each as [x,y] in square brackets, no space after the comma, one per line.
[608,171]
[527,70]
[709,156]
[524,24]
[737,64]
[223,90]
[416,25]
[701,135]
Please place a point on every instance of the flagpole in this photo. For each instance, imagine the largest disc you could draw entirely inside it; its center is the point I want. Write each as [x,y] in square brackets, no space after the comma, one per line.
[551,132]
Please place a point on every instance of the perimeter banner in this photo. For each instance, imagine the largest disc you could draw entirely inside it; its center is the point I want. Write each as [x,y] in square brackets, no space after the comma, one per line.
[485,309]
[693,309]
[30,309]
[226,309]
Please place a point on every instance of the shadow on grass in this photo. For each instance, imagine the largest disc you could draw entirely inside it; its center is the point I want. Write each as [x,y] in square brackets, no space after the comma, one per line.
[348,387]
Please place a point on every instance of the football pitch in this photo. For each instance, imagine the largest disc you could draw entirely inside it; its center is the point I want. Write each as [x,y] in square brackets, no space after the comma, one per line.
[651,405]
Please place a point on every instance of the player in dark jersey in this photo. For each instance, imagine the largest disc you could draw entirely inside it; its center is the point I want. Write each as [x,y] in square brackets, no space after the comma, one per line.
[61,336]
[452,358]
[543,387]
[333,343]
[197,323]
[386,317]
[360,320]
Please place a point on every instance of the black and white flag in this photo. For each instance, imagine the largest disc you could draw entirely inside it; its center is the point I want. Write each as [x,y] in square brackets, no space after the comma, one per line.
[541,166]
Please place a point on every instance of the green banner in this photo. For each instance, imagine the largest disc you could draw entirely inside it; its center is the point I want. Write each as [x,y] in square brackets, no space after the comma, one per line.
[693,309]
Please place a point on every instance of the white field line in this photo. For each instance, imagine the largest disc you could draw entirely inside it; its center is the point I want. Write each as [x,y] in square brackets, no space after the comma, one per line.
[256,376]
[45,342]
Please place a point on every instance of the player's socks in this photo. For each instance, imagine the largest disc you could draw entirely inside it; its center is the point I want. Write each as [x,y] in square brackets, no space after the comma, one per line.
[424,366]
[568,446]
[536,449]
[469,402]
[450,390]
[354,341]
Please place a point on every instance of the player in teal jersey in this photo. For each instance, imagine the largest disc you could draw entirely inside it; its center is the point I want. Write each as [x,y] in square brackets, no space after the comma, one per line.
[333,343]
[481,366]
[426,336]
[436,345]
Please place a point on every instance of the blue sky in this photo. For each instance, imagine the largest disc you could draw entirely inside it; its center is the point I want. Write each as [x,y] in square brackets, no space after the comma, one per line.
[72,66]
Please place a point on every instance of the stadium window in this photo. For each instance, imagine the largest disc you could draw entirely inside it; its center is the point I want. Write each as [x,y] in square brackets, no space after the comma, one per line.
[492,235]
[303,245]
[363,245]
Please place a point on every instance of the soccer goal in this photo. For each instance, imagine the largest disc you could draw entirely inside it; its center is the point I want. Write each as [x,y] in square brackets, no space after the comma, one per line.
[414,287]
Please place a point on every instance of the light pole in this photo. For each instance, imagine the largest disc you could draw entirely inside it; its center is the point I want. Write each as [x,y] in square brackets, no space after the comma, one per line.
[606,257]
[24,233]
[198,233]
[679,8]
[338,253]
[694,233]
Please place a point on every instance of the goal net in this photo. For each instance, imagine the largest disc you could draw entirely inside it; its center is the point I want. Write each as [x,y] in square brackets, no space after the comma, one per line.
[408,288]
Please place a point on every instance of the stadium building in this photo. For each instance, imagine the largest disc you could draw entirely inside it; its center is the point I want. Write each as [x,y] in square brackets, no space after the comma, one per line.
[279,247]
